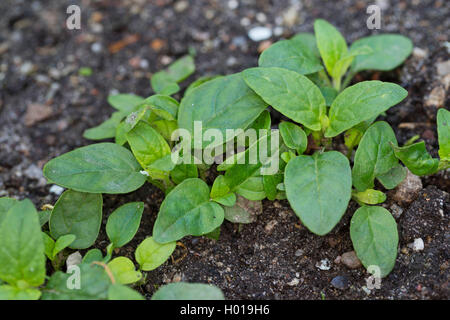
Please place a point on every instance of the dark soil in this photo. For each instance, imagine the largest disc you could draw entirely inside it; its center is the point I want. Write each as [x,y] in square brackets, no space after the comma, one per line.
[274,257]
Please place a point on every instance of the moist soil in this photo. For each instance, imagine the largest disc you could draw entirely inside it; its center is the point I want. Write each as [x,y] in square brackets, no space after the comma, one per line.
[45,105]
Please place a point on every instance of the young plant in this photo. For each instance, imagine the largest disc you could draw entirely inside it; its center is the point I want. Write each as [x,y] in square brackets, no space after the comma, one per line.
[317,181]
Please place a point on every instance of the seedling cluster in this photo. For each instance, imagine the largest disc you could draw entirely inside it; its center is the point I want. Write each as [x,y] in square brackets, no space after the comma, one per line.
[306,79]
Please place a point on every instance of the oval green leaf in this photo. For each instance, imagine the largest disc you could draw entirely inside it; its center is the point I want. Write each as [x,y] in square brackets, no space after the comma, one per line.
[187,210]
[97,168]
[374,235]
[151,254]
[293,136]
[318,189]
[123,223]
[79,214]
[188,291]
[361,102]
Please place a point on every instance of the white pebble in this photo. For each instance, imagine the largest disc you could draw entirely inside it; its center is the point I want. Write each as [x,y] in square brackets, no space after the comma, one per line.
[56,189]
[259,34]
[324,264]
[417,245]
[233,4]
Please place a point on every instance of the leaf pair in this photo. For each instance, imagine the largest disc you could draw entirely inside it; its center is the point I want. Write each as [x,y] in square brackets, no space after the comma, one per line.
[166,81]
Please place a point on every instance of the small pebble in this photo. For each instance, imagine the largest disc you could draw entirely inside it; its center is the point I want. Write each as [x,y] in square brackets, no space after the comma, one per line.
[294,282]
[259,34]
[350,260]
[56,189]
[408,189]
[396,211]
[417,245]
[324,264]
[340,282]
[96,47]
[299,253]
[233,4]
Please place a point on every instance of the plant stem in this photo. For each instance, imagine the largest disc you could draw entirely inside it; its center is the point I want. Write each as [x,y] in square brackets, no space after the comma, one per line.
[347,79]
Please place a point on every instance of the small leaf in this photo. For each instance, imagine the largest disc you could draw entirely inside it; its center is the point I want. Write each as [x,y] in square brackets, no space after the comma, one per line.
[331,43]
[219,188]
[341,66]
[227,200]
[393,177]
[290,93]
[375,238]
[49,245]
[62,243]
[92,255]
[123,223]
[121,292]
[183,171]
[79,214]
[293,136]
[388,52]
[22,259]
[374,156]
[126,103]
[270,183]
[370,196]
[151,254]
[44,217]
[443,129]
[163,83]
[293,55]
[124,270]
[361,102]
[417,159]
[188,291]
[97,168]
[318,189]
[147,144]
[105,130]
[187,210]
[252,189]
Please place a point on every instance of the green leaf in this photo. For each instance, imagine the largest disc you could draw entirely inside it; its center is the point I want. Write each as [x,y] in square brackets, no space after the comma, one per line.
[123,223]
[219,188]
[121,292]
[188,291]
[309,40]
[183,171]
[187,210]
[62,243]
[124,270]
[97,168]
[214,235]
[147,144]
[5,205]
[374,236]
[92,255]
[370,196]
[22,259]
[223,103]
[417,158]
[252,189]
[331,44]
[293,136]
[126,103]
[361,102]
[165,128]
[44,216]
[443,129]
[8,292]
[290,93]
[293,55]
[105,130]
[270,183]
[374,156]
[151,254]
[49,245]
[164,106]
[199,82]
[79,214]
[388,52]
[94,284]
[121,134]
[318,189]
[393,177]
[341,66]
[163,83]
